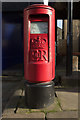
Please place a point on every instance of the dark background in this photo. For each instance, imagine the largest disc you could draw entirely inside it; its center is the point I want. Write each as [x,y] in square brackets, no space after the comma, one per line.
[12,29]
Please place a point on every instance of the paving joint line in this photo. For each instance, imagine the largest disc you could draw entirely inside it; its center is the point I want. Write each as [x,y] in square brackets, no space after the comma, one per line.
[58,101]
[18,103]
[45,117]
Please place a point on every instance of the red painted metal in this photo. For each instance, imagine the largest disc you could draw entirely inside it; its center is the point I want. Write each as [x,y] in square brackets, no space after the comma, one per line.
[39,49]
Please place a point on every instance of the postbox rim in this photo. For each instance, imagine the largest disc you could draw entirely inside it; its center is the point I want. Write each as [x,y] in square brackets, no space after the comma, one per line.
[34,6]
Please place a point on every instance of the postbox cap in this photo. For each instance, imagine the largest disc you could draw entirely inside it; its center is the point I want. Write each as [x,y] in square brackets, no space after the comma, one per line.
[39,6]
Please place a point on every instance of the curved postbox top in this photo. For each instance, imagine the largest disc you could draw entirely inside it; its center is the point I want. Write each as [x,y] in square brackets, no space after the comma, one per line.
[39,6]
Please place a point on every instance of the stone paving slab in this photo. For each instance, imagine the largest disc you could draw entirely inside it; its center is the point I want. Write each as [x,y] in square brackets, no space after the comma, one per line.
[9,112]
[53,107]
[11,105]
[8,88]
[68,99]
[30,116]
[63,114]
[65,100]
[13,102]
[17,103]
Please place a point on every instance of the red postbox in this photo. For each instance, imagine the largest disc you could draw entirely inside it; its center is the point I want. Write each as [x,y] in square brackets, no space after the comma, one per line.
[39,51]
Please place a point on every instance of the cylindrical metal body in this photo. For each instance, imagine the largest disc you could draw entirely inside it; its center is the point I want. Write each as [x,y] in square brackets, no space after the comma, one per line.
[39,43]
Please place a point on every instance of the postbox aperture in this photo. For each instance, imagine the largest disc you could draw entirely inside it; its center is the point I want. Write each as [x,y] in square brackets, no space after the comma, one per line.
[38,39]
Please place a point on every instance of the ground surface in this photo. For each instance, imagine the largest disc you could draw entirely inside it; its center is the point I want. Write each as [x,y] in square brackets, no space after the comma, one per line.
[65,104]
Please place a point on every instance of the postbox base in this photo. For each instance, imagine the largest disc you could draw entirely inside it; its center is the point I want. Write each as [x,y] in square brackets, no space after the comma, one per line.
[39,95]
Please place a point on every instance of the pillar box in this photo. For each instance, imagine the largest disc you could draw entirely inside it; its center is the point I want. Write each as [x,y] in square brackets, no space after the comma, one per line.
[39,55]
